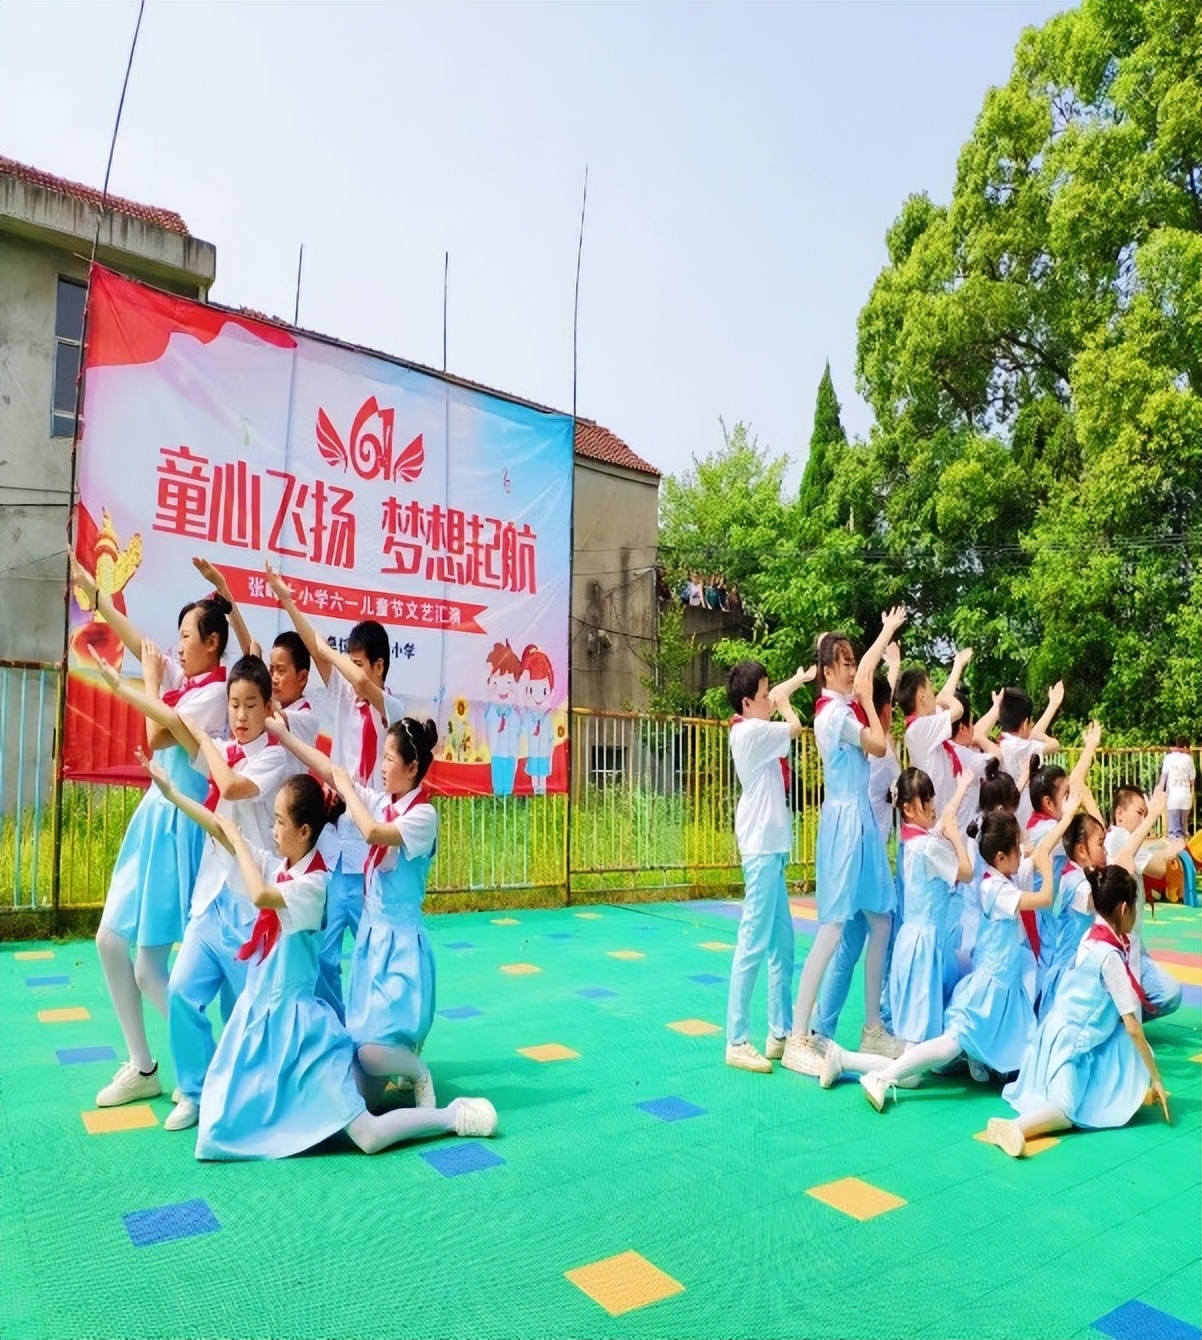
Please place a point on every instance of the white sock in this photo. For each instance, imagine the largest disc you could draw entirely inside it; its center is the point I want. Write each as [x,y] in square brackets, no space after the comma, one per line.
[879,924]
[812,972]
[922,1057]
[123,992]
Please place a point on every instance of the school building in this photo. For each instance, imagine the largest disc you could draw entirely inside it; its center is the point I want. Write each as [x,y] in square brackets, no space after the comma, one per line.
[47,229]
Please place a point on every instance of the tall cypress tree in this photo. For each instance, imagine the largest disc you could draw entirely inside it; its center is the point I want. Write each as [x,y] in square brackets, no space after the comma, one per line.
[828,432]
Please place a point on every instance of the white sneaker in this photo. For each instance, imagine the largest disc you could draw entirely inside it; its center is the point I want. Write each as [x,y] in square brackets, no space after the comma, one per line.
[774,1047]
[1007,1135]
[743,1056]
[176,1094]
[423,1090]
[185,1114]
[802,1055]
[979,1072]
[475,1116]
[832,1065]
[879,1040]
[876,1088]
[128,1085]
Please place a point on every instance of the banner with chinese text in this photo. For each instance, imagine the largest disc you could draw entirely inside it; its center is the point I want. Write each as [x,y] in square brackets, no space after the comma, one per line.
[379,491]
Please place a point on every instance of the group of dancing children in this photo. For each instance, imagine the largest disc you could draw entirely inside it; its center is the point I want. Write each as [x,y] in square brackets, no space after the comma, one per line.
[1009,937]
[257,868]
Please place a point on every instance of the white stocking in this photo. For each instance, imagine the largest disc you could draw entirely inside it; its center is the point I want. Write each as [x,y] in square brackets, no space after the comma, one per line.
[921,1058]
[879,924]
[812,972]
[124,993]
[373,1134]
[150,974]
[377,1058]
[1043,1121]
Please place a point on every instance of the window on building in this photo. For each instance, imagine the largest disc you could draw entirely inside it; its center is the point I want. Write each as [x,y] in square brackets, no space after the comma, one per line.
[68,337]
[607,764]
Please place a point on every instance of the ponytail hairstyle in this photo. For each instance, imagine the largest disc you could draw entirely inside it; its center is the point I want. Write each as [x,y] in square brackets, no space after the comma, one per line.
[998,791]
[1112,886]
[913,787]
[415,741]
[827,653]
[305,800]
[998,835]
[1079,831]
[212,616]
[1042,785]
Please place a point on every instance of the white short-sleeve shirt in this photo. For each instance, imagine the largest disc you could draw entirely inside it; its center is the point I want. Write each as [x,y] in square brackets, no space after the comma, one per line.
[412,814]
[1015,752]
[974,762]
[763,825]
[1178,772]
[925,737]
[882,774]
[303,721]
[207,704]
[1115,976]
[346,746]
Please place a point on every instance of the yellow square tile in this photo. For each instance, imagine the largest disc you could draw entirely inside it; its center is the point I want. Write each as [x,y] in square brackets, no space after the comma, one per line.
[64,1016]
[132,1117]
[626,954]
[506,921]
[716,945]
[1197,1058]
[1030,1149]
[588,916]
[860,1200]
[1185,973]
[549,1051]
[694,1028]
[622,1283]
[519,969]
[26,955]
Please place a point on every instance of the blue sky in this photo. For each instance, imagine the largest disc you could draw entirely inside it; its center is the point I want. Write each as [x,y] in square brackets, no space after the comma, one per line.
[744,162]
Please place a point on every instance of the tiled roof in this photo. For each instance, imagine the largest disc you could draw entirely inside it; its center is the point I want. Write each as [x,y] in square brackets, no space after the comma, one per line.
[166,219]
[600,444]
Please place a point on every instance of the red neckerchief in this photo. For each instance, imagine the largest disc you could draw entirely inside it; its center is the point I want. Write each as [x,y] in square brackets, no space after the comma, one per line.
[854,706]
[171,697]
[1103,933]
[786,772]
[368,743]
[1034,820]
[234,754]
[1027,917]
[266,930]
[375,855]
[950,750]
[911,831]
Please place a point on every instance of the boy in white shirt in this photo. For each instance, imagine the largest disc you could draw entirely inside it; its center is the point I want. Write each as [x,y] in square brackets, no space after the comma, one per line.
[289,665]
[1022,741]
[760,749]
[930,718]
[1178,772]
[360,709]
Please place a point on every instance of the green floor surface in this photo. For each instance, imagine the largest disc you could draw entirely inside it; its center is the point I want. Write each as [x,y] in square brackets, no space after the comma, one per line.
[338,1244]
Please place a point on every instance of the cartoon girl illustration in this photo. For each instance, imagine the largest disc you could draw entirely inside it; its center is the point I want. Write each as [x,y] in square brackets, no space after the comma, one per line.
[536,683]
[502,719]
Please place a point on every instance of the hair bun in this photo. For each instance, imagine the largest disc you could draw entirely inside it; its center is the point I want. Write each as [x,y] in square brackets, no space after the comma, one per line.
[430,732]
[216,598]
[992,768]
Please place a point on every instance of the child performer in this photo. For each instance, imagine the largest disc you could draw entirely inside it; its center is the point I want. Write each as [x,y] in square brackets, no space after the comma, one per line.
[390,1001]
[933,859]
[289,665]
[759,747]
[930,720]
[852,870]
[151,885]
[883,773]
[1020,740]
[359,703]
[990,1016]
[1089,1063]
[1129,811]
[284,1077]
[244,775]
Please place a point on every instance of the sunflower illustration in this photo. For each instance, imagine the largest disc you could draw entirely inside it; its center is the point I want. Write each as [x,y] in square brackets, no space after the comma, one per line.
[561,731]
[461,708]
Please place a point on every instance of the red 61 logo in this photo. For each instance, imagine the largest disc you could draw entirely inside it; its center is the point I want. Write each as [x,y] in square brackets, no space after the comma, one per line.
[369,448]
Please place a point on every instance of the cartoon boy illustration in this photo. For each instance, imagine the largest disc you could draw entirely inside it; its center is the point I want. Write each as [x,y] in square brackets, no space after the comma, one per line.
[502,720]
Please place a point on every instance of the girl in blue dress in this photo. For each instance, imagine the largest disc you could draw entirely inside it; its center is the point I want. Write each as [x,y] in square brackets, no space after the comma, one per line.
[390,1000]
[1089,1063]
[284,1077]
[851,868]
[151,885]
[991,1015]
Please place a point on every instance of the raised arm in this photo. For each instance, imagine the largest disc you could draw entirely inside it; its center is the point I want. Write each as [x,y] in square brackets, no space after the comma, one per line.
[892,658]
[211,573]
[164,726]
[313,759]
[362,684]
[231,784]
[951,829]
[86,583]
[1041,857]
[1089,747]
[308,634]
[375,832]
[1039,731]
[262,894]
[185,804]
[946,697]
[891,621]
[983,728]
[780,695]
[1125,856]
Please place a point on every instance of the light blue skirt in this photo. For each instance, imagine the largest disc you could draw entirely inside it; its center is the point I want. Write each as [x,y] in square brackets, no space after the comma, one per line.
[391,995]
[916,982]
[851,869]
[1098,1088]
[992,1018]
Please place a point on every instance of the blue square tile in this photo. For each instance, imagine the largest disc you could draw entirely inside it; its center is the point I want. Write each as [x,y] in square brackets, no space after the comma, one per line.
[1137,1321]
[168,1222]
[596,992]
[459,1158]
[460,1012]
[47,981]
[560,935]
[459,944]
[82,1055]
[672,1109]
[707,978]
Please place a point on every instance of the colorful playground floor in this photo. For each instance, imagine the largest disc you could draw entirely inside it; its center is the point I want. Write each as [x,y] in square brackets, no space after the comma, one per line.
[637,1187]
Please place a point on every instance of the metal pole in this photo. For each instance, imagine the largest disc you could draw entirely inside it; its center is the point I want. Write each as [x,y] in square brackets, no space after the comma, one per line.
[300,262]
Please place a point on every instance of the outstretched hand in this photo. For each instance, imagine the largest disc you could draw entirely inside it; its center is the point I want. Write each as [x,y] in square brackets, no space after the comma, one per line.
[83,578]
[214,575]
[279,586]
[1093,735]
[107,672]
[892,620]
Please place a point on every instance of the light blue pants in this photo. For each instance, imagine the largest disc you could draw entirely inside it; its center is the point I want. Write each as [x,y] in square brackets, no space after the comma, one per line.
[344,907]
[1162,989]
[207,966]
[765,930]
[1176,822]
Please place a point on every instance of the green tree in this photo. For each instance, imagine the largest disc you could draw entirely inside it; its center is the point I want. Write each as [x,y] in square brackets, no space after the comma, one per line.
[828,436]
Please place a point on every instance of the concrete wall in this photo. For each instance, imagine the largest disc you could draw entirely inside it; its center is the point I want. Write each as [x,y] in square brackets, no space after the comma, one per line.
[614,611]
